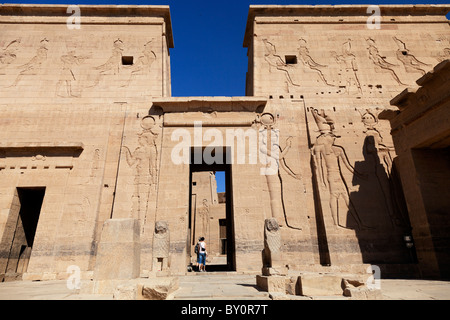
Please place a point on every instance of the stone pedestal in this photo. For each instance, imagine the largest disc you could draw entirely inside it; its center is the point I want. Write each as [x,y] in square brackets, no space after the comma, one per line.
[118,253]
[272,283]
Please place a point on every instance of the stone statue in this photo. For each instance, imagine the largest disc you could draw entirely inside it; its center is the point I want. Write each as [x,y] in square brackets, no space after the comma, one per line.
[272,260]
[161,246]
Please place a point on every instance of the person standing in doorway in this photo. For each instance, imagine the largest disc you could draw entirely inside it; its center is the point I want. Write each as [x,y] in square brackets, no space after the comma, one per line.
[202,253]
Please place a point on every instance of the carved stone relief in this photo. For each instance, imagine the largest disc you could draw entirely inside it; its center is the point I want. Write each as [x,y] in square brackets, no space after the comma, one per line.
[66,85]
[112,65]
[380,61]
[9,54]
[203,218]
[348,68]
[276,62]
[33,66]
[381,158]
[273,156]
[143,63]
[144,160]
[329,159]
[410,62]
[309,62]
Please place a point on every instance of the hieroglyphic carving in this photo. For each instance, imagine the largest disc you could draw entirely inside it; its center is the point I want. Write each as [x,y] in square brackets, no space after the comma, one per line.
[275,61]
[144,158]
[65,86]
[203,216]
[309,62]
[143,63]
[329,159]
[411,63]
[8,54]
[380,61]
[33,66]
[273,157]
[348,67]
[112,65]
[161,246]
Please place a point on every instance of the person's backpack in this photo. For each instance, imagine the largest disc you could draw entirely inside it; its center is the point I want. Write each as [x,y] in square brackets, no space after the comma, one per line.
[196,247]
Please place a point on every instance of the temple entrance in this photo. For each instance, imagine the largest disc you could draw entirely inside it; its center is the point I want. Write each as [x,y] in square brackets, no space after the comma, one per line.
[20,229]
[211,210]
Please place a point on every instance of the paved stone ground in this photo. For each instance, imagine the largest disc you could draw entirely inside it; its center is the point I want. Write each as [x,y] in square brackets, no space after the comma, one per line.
[224,286]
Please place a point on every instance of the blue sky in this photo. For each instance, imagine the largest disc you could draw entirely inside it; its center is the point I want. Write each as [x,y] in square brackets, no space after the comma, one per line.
[208,58]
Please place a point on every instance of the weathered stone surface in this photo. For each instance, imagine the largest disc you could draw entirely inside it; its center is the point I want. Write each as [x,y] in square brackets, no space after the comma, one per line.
[272,283]
[308,144]
[118,254]
[320,285]
[157,289]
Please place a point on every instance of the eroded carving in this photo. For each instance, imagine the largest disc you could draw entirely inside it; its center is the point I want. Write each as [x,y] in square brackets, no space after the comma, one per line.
[410,62]
[66,84]
[309,62]
[348,68]
[203,216]
[380,61]
[143,63]
[444,55]
[8,53]
[112,65]
[275,61]
[33,66]
[144,159]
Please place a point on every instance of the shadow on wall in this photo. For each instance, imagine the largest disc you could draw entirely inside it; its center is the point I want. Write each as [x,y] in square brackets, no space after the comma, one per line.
[379,203]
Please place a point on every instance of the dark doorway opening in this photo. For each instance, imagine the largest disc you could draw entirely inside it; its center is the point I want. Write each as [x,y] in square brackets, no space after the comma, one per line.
[211,215]
[20,230]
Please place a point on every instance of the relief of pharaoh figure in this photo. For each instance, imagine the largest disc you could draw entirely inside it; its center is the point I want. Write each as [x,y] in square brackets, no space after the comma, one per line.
[65,86]
[347,62]
[144,158]
[329,159]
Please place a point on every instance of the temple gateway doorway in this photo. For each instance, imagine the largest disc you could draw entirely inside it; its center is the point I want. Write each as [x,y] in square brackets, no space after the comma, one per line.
[211,212]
